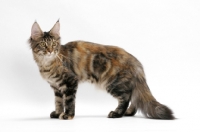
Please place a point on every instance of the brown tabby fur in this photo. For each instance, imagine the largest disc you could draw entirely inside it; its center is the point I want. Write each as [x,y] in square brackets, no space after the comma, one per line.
[110,67]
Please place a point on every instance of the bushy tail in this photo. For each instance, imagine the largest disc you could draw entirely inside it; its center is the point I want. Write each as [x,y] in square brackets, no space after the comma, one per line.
[143,100]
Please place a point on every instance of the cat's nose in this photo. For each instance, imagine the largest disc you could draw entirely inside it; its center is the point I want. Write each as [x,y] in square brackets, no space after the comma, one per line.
[50,51]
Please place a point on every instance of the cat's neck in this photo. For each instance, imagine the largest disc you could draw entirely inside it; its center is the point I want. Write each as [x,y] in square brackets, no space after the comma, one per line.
[44,62]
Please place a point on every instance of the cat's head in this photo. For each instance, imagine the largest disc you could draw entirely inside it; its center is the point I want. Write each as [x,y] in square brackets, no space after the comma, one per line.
[45,43]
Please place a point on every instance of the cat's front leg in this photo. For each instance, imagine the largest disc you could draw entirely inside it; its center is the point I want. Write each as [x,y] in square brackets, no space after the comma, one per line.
[58,104]
[69,88]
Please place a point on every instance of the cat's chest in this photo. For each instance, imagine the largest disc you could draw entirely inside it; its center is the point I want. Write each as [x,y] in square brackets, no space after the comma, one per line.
[45,74]
[49,77]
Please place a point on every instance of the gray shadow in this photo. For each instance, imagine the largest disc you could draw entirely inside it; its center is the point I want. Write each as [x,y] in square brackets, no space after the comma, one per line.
[91,116]
[48,118]
[32,119]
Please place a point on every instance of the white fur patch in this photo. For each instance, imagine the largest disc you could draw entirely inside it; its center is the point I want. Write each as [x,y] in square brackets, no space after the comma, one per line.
[61,116]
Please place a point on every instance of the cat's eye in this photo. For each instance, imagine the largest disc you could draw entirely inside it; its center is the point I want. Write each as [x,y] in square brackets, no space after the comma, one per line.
[42,44]
[54,44]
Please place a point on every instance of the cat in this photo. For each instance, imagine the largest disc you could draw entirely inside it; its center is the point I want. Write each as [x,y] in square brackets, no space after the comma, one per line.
[120,73]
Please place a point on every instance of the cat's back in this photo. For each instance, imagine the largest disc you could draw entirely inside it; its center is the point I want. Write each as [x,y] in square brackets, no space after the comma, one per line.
[91,60]
[94,48]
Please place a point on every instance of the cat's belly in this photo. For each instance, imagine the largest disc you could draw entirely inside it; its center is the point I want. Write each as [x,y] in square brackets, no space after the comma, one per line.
[50,78]
[102,85]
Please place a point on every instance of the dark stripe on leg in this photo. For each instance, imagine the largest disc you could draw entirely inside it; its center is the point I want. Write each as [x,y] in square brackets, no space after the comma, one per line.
[58,94]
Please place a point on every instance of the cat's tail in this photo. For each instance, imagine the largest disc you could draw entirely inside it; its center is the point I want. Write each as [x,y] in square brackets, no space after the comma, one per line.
[143,100]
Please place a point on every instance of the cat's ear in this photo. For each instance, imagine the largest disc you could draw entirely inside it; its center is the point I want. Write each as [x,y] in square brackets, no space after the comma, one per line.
[55,31]
[36,32]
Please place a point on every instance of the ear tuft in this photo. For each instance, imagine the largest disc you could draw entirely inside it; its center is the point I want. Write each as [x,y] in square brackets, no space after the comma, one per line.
[55,31]
[36,32]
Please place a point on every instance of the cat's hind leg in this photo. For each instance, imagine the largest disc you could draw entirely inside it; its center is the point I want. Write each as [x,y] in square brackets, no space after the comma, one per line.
[131,111]
[120,89]
[120,110]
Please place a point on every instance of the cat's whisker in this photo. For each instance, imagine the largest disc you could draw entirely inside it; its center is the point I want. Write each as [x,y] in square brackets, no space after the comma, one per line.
[59,57]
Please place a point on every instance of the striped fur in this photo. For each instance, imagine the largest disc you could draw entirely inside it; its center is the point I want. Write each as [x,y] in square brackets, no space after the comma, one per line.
[110,67]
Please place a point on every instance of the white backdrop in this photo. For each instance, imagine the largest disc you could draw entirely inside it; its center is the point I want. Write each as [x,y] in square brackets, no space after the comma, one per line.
[163,35]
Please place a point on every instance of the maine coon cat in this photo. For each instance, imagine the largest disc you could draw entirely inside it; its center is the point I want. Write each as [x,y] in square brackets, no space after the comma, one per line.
[120,73]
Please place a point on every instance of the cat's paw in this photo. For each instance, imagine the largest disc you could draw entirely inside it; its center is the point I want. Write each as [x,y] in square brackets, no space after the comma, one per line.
[54,115]
[130,112]
[64,116]
[114,114]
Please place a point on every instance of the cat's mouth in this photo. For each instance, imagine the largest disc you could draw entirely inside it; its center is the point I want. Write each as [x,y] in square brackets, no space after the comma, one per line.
[50,54]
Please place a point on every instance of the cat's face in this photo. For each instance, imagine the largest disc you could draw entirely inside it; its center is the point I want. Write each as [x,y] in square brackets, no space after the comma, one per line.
[47,46]
[45,43]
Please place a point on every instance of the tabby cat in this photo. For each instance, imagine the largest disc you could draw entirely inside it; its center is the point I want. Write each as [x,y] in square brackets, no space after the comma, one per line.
[118,72]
